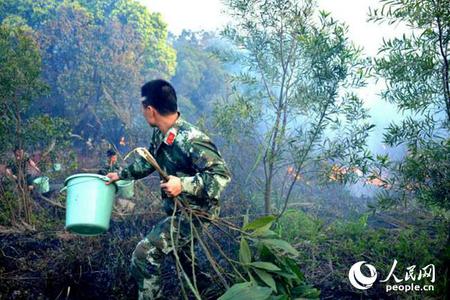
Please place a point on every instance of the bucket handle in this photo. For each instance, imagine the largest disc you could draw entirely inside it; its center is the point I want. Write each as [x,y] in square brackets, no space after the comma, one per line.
[104,178]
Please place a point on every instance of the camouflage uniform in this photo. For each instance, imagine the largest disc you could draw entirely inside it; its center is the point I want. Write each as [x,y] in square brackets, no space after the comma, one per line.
[22,164]
[184,151]
[109,168]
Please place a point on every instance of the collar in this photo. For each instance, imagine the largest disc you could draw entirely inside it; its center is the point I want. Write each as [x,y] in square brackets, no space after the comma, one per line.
[171,134]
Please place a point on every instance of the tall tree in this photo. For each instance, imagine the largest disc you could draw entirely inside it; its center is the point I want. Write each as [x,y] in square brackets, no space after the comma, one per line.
[299,78]
[159,55]
[200,76]
[20,82]
[34,12]
[415,68]
[96,55]
[94,70]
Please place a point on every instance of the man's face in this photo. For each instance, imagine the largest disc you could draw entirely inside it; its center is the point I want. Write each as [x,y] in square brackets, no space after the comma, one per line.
[149,114]
[18,153]
[113,159]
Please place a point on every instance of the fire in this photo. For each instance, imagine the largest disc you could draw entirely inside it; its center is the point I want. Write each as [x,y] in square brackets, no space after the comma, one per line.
[357,172]
[379,182]
[337,173]
[291,171]
[122,141]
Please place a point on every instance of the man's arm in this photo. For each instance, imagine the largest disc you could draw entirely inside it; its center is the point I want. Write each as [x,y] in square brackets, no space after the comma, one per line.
[140,168]
[9,173]
[212,174]
[137,170]
[33,165]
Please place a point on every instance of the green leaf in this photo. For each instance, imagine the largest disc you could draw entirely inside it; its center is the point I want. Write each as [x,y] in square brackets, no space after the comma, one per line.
[246,290]
[295,269]
[265,265]
[287,275]
[260,222]
[371,126]
[264,252]
[245,255]
[280,244]
[280,297]
[267,278]
[264,232]
[305,291]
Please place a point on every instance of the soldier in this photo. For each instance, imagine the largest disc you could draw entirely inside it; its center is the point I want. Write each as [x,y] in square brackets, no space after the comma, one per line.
[111,164]
[22,162]
[197,176]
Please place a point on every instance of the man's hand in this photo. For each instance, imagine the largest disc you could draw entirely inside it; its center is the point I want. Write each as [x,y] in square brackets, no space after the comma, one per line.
[9,173]
[113,177]
[172,187]
[34,166]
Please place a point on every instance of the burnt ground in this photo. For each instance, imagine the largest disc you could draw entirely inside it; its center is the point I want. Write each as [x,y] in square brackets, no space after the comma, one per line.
[61,265]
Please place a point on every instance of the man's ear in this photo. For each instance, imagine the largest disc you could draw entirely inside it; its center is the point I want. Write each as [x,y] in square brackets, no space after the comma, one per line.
[155,113]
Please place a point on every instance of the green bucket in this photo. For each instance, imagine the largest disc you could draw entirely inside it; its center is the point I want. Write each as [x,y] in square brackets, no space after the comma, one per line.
[89,203]
[56,167]
[126,188]
[42,184]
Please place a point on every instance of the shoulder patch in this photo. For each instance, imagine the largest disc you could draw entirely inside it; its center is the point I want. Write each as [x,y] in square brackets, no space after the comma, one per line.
[170,138]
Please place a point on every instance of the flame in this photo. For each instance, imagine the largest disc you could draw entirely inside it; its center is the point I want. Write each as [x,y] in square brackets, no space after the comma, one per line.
[291,171]
[357,171]
[379,182]
[337,173]
[122,141]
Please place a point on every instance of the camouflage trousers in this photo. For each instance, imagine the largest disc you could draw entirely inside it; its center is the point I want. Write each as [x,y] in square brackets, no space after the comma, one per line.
[149,255]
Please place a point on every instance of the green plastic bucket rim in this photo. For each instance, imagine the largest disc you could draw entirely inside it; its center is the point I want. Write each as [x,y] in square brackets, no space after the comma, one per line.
[93,175]
[41,179]
[42,183]
[124,182]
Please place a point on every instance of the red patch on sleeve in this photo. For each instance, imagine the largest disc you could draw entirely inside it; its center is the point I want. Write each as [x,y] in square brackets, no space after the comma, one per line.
[170,138]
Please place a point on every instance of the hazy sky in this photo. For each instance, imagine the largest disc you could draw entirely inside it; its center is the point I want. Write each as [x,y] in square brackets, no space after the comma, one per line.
[208,15]
[191,14]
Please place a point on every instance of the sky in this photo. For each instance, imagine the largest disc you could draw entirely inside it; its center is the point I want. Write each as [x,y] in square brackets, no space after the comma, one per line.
[192,14]
[209,15]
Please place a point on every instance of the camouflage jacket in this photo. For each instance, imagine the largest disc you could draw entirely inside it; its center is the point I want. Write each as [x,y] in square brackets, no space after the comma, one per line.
[186,152]
[108,168]
[14,165]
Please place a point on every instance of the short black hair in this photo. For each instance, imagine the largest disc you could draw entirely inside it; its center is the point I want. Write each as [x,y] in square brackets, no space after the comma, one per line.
[161,95]
[110,153]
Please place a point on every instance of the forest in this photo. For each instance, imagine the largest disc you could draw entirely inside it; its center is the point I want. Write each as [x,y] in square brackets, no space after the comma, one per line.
[312,211]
